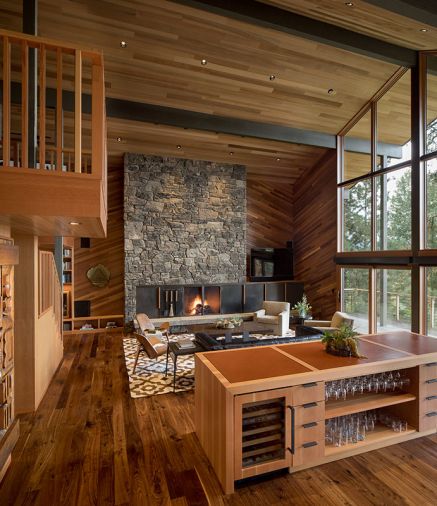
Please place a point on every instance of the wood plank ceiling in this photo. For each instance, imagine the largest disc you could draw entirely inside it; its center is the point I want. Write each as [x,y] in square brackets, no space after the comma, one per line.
[365,18]
[162,65]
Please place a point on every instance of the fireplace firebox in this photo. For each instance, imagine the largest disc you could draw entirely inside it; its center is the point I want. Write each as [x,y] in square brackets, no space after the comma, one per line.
[197,300]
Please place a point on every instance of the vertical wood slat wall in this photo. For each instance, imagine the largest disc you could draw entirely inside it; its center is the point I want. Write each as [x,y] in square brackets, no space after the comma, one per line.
[15,148]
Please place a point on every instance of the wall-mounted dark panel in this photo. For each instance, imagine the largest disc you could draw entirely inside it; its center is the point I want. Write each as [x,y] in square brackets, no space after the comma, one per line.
[232,299]
[254,297]
[294,292]
[275,291]
[147,301]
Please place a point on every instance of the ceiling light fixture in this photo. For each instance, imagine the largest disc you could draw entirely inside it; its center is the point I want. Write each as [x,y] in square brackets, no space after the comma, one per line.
[179,146]
[123,44]
[331,91]
[231,153]
[203,61]
[272,77]
[278,159]
[119,139]
[74,223]
[349,4]
[424,30]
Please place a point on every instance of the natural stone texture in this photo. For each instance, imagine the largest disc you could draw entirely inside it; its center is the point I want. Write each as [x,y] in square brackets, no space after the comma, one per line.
[184,222]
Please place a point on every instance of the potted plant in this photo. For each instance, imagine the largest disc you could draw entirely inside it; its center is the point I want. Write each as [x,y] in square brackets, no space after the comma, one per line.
[342,342]
[303,307]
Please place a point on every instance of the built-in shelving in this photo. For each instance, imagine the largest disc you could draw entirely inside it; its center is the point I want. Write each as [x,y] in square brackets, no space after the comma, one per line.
[379,435]
[365,402]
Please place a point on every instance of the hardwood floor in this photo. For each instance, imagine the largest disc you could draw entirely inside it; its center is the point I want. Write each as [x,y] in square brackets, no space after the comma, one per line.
[90,443]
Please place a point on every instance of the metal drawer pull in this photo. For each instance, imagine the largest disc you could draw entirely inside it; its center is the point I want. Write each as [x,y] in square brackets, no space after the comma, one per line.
[311,404]
[308,445]
[431,381]
[308,385]
[433,413]
[291,450]
[431,364]
[431,397]
[308,425]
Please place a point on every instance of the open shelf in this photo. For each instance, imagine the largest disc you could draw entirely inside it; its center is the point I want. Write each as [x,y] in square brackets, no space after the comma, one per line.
[364,402]
[379,435]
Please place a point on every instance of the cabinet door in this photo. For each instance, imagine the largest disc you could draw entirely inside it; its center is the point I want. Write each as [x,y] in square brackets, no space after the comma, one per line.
[262,432]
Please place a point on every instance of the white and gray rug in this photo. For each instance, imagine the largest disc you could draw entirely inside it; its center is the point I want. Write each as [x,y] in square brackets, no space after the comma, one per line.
[150,379]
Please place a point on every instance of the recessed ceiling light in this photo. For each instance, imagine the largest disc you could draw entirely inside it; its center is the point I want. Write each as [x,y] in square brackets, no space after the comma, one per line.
[119,139]
[424,30]
[231,153]
[179,146]
[331,91]
[123,44]
[74,223]
[349,4]
[278,159]
[203,61]
[272,77]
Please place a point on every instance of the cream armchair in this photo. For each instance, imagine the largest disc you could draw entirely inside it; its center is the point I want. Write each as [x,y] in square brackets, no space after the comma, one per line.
[276,314]
[337,321]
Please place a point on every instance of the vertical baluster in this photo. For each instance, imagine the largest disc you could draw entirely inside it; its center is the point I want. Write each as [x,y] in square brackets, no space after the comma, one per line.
[78,111]
[59,112]
[42,107]
[24,104]
[6,102]
[97,120]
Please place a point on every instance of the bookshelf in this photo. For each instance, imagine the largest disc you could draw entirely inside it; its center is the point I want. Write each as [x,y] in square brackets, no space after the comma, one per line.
[68,284]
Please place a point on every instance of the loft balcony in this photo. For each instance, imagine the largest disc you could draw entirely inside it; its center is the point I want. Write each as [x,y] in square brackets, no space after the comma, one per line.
[53,177]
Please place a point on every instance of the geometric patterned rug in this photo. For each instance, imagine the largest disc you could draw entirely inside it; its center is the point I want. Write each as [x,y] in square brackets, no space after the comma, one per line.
[150,378]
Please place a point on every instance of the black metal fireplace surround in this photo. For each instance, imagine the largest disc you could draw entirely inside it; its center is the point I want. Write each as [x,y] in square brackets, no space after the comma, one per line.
[195,300]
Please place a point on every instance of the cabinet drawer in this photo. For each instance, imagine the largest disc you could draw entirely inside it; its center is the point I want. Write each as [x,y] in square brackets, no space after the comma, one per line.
[5,416]
[430,403]
[428,420]
[308,452]
[309,412]
[6,388]
[309,392]
[311,431]
[430,387]
[428,371]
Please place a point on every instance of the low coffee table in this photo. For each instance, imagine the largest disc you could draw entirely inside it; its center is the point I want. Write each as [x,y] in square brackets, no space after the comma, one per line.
[250,327]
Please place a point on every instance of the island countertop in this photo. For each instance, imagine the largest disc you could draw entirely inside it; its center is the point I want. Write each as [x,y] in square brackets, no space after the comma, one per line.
[254,369]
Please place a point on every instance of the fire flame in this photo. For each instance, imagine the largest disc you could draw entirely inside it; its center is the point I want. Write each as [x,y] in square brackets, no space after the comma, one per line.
[197,300]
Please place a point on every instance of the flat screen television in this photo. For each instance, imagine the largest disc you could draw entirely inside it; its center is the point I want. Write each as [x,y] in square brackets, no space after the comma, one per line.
[271,263]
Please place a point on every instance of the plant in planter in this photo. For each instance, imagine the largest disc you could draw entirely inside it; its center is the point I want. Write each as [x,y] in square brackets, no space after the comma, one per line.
[303,307]
[342,342]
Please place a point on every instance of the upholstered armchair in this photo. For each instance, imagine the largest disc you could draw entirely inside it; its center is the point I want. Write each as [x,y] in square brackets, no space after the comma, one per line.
[149,338]
[337,321]
[276,314]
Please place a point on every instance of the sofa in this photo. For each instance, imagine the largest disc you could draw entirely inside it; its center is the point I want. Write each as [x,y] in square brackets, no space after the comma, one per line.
[276,314]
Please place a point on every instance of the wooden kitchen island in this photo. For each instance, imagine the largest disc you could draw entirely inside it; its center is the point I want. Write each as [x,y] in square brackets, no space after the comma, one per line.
[262,409]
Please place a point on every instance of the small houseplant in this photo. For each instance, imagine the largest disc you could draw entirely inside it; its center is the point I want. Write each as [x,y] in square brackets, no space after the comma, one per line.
[342,342]
[303,307]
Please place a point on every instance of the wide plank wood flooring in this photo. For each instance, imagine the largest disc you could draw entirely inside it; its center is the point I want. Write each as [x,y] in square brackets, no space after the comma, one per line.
[90,443]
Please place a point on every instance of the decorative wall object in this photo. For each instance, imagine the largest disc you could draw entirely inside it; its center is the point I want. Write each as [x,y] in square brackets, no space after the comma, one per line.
[184,222]
[99,275]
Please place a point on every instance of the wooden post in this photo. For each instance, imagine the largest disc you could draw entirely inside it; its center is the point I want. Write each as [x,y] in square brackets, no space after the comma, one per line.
[78,112]
[59,112]
[97,120]
[6,102]
[24,104]
[42,107]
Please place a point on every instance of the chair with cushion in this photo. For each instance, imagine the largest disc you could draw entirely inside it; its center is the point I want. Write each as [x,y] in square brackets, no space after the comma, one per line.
[150,338]
[276,314]
[337,321]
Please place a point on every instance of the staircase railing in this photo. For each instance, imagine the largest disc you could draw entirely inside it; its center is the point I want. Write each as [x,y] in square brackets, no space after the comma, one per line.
[50,291]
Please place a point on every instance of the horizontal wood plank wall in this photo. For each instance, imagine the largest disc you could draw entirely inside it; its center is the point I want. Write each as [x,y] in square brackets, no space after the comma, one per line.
[109,252]
[315,232]
[269,214]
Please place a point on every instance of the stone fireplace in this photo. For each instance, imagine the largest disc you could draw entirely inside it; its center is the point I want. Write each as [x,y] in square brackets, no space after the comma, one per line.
[184,223]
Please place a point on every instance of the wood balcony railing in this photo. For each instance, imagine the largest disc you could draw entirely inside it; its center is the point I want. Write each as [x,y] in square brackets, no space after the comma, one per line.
[68,113]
